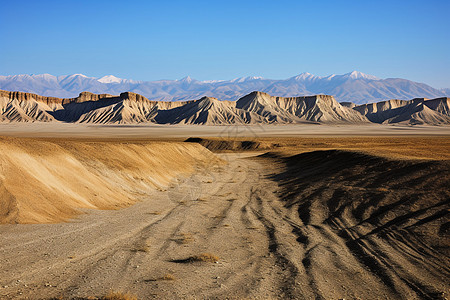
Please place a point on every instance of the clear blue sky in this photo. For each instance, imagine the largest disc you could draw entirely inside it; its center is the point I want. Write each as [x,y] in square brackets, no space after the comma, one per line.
[150,40]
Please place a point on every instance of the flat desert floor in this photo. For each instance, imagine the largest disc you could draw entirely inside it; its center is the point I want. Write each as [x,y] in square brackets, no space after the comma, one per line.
[275,212]
[65,130]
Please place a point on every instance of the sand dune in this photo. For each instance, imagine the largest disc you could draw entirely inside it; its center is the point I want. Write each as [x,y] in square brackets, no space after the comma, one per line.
[49,181]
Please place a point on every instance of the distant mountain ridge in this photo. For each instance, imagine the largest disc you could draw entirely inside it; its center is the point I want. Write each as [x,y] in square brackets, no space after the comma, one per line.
[353,87]
[254,108]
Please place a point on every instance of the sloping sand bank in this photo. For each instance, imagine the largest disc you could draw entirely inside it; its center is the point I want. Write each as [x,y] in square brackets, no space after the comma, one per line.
[44,181]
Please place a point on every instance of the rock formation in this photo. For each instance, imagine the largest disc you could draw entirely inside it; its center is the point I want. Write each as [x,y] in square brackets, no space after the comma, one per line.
[254,108]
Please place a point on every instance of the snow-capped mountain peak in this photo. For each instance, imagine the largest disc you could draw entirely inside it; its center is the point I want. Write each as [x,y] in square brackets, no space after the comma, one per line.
[76,75]
[354,87]
[186,79]
[304,76]
[45,75]
[359,75]
[110,79]
[244,79]
[213,81]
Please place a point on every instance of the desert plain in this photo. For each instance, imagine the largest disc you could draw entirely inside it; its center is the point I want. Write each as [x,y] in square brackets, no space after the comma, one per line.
[224,212]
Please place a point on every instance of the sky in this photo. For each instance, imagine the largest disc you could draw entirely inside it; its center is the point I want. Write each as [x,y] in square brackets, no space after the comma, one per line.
[151,40]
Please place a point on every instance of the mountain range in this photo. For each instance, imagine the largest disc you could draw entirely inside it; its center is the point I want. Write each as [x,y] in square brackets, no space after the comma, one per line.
[254,108]
[353,87]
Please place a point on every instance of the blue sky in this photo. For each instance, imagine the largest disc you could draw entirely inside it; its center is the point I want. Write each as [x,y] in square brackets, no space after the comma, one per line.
[150,40]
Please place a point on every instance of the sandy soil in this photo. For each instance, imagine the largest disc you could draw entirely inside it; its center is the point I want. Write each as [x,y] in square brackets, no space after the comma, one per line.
[398,147]
[283,219]
[65,130]
[268,222]
[46,181]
